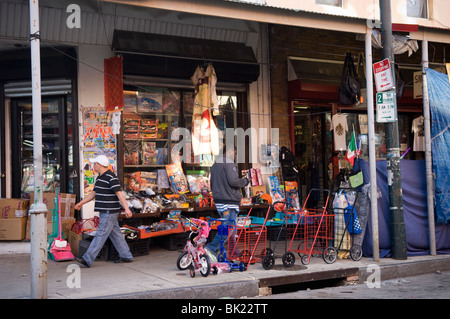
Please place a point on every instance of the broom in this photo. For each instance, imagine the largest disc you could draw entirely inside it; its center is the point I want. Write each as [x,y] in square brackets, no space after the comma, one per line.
[54,227]
[61,248]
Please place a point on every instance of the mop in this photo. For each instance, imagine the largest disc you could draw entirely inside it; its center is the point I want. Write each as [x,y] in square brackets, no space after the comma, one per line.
[61,248]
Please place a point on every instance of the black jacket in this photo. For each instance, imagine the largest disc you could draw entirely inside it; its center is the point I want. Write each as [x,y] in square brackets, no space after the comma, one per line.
[225,182]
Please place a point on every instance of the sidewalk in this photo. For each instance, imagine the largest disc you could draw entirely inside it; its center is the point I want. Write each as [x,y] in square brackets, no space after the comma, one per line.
[156,276]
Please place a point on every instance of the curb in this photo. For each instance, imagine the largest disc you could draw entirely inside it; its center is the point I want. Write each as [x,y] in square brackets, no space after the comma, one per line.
[405,269]
[237,289]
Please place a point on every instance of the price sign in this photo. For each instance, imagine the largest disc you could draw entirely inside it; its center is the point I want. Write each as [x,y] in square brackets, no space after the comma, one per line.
[386,107]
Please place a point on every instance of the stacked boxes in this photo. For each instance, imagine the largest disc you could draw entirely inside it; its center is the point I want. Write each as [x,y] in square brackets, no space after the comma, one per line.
[13,218]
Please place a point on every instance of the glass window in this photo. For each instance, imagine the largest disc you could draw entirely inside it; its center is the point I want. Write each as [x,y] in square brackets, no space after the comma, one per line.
[336,3]
[417,8]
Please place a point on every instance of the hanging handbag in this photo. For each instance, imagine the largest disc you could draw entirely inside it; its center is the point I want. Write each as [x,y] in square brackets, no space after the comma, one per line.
[349,89]
[356,178]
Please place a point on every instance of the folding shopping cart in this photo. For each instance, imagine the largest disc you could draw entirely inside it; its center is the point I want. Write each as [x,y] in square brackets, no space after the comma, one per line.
[282,224]
[346,225]
[312,234]
[247,242]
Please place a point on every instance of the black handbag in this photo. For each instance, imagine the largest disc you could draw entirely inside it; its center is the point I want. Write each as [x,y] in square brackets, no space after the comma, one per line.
[349,89]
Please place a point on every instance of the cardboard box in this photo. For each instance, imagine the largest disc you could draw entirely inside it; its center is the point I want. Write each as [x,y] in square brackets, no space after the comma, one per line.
[67,204]
[74,241]
[66,225]
[13,229]
[13,208]
[258,189]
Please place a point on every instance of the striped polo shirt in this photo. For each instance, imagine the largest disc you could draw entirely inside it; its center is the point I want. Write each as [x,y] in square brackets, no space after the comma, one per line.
[105,189]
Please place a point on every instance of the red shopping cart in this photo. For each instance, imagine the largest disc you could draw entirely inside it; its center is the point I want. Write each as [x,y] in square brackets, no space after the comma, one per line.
[312,234]
[247,241]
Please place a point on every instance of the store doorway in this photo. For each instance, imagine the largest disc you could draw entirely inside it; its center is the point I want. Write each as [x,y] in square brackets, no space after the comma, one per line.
[59,162]
[313,150]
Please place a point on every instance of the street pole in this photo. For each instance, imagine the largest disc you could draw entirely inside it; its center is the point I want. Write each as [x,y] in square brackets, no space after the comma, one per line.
[428,154]
[38,210]
[372,154]
[397,224]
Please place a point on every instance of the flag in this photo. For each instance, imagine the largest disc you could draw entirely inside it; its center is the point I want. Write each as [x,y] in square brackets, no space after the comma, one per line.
[350,155]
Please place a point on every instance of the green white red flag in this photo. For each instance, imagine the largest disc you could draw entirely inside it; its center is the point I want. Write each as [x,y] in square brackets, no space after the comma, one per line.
[351,153]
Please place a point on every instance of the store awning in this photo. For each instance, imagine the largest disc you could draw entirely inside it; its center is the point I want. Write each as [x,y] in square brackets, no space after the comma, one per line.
[146,54]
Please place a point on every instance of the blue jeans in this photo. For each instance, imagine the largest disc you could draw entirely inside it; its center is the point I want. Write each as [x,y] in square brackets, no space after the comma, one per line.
[214,245]
[108,227]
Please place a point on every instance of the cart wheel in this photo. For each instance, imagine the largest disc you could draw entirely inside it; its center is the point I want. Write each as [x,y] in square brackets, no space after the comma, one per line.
[329,255]
[268,262]
[288,259]
[242,267]
[215,271]
[305,259]
[205,265]
[184,260]
[192,272]
[356,252]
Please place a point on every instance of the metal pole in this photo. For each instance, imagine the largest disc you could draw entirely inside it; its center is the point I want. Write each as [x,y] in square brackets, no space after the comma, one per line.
[38,210]
[428,155]
[397,224]
[372,153]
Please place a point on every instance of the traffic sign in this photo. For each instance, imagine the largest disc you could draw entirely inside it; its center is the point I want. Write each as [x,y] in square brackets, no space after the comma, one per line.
[383,75]
[386,107]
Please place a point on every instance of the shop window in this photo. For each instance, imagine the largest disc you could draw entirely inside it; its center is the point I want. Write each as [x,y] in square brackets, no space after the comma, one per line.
[417,8]
[336,3]
[150,119]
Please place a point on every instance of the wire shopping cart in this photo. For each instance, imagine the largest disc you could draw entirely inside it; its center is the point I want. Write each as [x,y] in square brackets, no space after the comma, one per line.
[278,230]
[312,234]
[247,242]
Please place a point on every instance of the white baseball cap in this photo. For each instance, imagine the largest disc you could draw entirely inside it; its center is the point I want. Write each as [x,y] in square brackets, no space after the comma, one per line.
[101,159]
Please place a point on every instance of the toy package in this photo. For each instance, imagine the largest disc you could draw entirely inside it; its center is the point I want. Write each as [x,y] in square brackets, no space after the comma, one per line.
[275,190]
[177,178]
[131,152]
[292,195]
[149,153]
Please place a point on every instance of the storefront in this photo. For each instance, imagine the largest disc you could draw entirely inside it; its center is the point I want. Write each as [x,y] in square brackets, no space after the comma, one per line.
[60,165]
[320,127]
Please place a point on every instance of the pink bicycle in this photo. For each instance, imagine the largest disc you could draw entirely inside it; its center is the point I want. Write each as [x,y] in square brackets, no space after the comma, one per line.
[194,256]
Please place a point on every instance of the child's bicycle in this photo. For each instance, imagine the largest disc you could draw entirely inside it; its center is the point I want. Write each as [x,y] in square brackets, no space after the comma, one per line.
[194,256]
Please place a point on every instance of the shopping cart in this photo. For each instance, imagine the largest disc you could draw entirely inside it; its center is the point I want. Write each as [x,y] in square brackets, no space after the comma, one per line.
[283,223]
[312,234]
[247,241]
[346,225]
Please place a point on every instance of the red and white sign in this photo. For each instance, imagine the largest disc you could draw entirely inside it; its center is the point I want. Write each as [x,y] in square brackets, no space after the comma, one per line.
[383,75]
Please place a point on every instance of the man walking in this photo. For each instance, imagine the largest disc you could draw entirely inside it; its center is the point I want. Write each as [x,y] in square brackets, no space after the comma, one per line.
[109,200]
[226,191]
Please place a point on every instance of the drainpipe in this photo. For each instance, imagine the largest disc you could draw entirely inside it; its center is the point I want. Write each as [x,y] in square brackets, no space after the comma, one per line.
[372,153]
[428,156]
[38,210]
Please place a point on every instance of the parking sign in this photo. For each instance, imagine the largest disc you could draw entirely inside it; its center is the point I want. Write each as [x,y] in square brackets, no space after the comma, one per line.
[383,75]
[386,107]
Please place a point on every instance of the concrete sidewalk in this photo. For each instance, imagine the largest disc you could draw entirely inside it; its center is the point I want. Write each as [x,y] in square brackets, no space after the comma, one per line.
[156,276]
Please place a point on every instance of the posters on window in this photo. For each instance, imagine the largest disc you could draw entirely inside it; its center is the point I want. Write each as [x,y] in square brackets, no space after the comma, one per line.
[97,139]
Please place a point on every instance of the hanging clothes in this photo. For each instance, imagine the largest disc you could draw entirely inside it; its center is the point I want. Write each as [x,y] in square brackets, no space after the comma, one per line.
[419,134]
[205,135]
[339,126]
